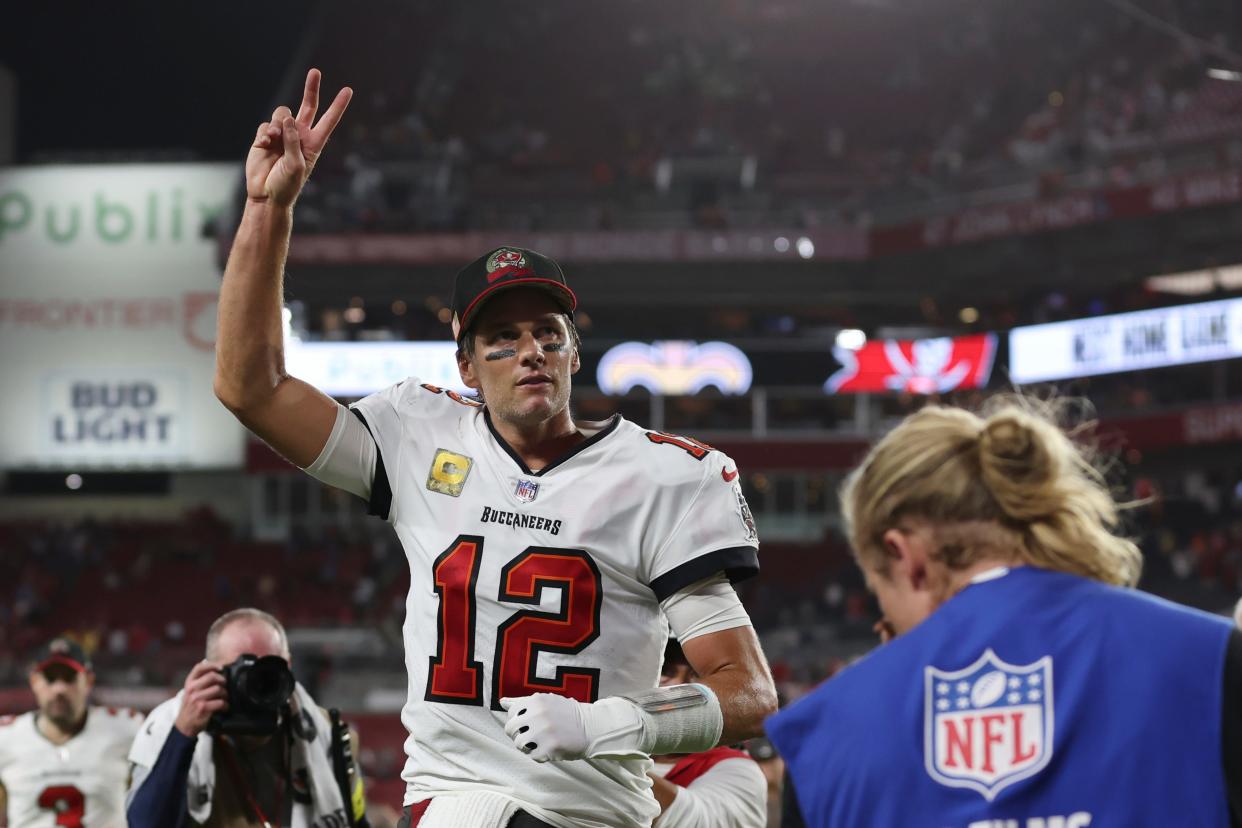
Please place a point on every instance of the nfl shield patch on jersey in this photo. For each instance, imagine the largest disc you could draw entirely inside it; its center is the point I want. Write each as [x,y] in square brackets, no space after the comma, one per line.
[449,471]
[526,490]
[989,725]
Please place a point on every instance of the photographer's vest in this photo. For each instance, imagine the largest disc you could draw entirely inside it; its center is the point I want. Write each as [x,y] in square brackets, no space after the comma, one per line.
[262,773]
[1033,698]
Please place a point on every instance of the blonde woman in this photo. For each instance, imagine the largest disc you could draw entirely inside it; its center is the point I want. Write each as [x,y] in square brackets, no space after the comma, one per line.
[1026,682]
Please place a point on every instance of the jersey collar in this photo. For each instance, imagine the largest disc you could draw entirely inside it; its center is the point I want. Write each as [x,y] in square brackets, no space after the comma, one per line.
[613,422]
[990,574]
[34,721]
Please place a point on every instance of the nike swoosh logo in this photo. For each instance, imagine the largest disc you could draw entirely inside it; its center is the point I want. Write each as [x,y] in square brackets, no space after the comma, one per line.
[729,476]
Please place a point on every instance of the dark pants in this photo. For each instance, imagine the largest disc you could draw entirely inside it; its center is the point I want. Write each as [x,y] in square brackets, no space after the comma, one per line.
[413,814]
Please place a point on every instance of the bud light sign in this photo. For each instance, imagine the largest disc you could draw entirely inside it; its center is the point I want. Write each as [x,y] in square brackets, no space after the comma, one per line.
[919,366]
[134,420]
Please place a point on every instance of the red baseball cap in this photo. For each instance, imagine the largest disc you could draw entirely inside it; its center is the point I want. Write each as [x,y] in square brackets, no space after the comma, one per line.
[501,269]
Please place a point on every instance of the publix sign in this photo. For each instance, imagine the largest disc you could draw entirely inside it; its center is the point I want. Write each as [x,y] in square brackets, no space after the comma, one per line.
[113,216]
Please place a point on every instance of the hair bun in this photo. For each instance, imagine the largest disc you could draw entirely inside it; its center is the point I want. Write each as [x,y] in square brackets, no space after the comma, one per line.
[1007,438]
[1016,461]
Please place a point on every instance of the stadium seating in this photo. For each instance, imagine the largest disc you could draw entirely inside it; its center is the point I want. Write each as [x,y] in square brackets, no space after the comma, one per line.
[510,140]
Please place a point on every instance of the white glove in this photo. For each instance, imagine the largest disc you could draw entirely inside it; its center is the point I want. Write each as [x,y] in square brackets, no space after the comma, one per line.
[547,727]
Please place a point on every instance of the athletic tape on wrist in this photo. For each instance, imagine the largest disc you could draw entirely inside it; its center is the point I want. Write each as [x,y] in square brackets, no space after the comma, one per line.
[673,697]
[682,718]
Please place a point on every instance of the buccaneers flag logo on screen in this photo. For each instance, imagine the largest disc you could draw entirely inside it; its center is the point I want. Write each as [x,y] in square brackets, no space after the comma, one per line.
[918,366]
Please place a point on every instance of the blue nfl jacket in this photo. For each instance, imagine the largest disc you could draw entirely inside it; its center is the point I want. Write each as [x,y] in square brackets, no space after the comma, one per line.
[1031,699]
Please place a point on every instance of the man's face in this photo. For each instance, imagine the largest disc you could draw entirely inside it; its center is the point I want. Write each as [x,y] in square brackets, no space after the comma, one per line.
[247,636]
[523,357]
[61,693]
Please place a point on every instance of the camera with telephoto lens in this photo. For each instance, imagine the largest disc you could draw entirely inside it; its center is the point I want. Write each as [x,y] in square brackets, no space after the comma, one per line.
[258,689]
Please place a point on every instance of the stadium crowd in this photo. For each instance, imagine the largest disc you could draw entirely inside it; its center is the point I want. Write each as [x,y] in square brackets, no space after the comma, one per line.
[136,592]
[923,119]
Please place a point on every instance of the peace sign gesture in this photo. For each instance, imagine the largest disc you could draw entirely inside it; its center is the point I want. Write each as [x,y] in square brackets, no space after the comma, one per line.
[285,148]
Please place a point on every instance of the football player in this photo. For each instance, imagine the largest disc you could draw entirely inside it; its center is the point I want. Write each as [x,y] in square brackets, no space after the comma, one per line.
[545,553]
[66,764]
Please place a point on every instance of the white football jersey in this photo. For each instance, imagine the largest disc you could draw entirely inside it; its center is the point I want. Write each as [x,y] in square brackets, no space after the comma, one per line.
[549,582]
[80,784]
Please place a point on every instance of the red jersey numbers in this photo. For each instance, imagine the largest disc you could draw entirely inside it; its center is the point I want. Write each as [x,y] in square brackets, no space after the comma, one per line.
[689,445]
[455,677]
[521,639]
[66,802]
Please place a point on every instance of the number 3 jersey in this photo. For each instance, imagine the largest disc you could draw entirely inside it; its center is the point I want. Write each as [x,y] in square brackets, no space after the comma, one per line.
[545,582]
[80,784]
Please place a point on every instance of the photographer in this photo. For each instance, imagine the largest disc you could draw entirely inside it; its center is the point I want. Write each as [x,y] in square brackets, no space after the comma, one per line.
[243,744]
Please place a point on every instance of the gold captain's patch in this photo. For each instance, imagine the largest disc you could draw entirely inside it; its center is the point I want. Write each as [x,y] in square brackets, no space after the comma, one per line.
[449,471]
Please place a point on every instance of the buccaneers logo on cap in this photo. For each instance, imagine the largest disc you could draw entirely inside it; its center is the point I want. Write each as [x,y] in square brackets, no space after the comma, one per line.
[504,260]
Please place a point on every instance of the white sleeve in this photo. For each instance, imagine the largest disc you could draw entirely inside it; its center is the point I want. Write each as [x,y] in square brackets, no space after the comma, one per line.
[704,529]
[383,414]
[732,794]
[348,458]
[706,606]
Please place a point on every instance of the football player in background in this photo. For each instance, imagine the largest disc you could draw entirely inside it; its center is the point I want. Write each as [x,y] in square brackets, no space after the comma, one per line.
[65,765]
[545,553]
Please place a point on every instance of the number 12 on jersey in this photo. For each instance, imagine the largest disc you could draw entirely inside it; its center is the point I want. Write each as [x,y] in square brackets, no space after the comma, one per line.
[455,676]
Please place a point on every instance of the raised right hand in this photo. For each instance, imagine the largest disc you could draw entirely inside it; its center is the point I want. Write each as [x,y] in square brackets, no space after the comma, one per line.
[205,694]
[285,148]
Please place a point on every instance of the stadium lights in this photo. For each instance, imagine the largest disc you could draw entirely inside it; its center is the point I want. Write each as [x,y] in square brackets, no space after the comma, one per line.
[1224,74]
[851,339]
[1197,282]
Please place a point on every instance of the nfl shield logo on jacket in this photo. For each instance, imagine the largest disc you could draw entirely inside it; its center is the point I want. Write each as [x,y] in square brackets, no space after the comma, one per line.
[988,725]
